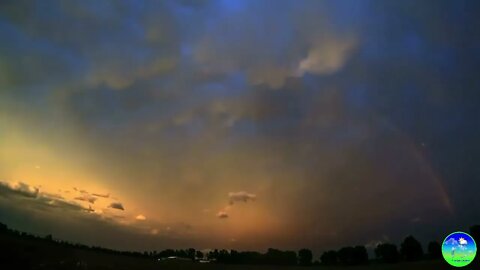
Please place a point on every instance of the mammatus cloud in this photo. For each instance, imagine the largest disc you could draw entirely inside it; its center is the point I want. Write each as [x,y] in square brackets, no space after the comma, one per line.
[114,65]
[117,205]
[140,217]
[241,196]
[222,214]
[313,46]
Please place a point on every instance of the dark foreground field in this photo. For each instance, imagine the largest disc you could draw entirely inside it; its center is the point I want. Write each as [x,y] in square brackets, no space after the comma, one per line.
[20,252]
[434,265]
[89,260]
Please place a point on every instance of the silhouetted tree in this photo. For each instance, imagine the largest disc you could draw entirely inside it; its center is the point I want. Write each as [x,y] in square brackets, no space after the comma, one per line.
[353,255]
[305,257]
[329,257]
[213,255]
[235,257]
[278,257]
[166,253]
[49,237]
[345,255]
[223,256]
[3,227]
[434,250]
[246,257]
[199,254]
[387,253]
[411,249]
[191,253]
[475,233]
[360,255]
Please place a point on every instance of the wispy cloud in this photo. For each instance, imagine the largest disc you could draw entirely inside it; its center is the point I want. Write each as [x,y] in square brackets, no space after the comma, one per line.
[86,198]
[101,195]
[222,214]
[241,196]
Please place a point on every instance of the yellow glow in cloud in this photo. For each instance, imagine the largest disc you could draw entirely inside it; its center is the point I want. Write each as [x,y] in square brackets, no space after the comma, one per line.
[140,217]
[327,57]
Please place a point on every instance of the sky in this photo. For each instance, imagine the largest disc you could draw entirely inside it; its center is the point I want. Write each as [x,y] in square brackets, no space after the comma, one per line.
[141,125]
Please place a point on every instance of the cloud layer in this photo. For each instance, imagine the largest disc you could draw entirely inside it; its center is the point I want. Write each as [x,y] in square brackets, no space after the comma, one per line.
[28,196]
[321,108]
[241,196]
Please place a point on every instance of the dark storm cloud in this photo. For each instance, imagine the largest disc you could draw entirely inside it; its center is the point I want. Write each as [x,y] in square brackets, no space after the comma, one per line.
[70,222]
[324,107]
[31,197]
[117,205]
[46,213]
[115,61]
[62,204]
[21,189]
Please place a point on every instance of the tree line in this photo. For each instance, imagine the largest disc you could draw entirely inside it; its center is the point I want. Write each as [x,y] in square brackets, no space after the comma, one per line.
[409,250]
